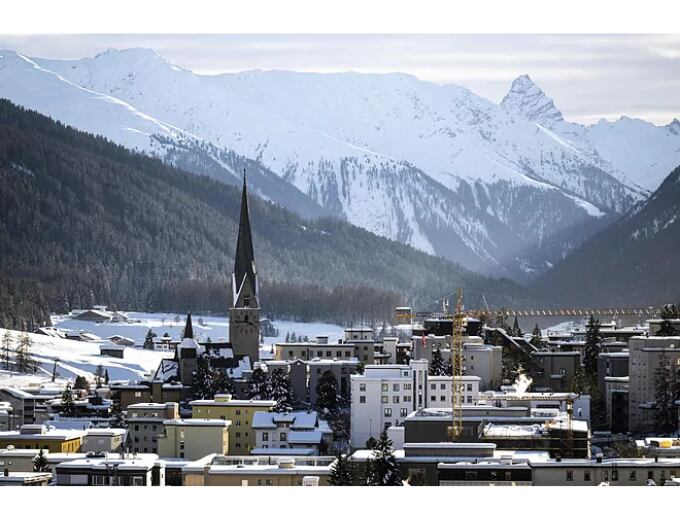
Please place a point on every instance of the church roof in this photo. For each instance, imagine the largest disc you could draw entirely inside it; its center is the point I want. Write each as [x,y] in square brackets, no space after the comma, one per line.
[189,327]
[244,264]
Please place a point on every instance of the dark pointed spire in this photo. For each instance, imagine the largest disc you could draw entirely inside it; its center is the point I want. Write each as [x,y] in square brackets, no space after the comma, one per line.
[244,263]
[188,328]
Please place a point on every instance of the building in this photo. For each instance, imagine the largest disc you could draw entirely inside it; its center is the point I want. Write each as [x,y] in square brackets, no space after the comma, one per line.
[259,471]
[244,297]
[555,370]
[146,392]
[659,447]
[341,370]
[112,470]
[239,411]
[646,355]
[299,433]
[104,439]
[117,339]
[24,478]
[27,407]
[383,396]
[357,345]
[38,436]
[112,350]
[440,392]
[145,424]
[193,438]
[18,459]
[6,414]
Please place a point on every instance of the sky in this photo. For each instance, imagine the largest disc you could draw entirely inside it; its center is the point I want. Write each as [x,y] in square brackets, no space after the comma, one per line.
[590,77]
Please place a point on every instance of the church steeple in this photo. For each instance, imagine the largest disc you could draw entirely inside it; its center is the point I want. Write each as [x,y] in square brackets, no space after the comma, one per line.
[244,262]
[188,328]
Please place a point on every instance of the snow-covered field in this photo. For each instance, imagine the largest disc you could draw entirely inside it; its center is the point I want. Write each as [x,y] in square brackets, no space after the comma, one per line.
[82,358]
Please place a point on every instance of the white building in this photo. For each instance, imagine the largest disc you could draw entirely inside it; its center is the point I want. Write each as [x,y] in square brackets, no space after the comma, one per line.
[299,433]
[383,396]
[440,393]
[5,416]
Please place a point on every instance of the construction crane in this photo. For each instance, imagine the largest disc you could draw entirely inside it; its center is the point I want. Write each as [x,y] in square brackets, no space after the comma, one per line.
[457,363]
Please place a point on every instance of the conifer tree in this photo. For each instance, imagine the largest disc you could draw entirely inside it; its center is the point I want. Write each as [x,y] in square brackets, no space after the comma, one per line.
[537,337]
[327,394]
[516,331]
[222,383]
[106,377]
[342,472]
[437,364]
[203,379]
[281,391]
[117,419]
[40,463]
[68,406]
[6,348]
[259,387]
[384,468]
[592,350]
[81,383]
[98,376]
[24,360]
[148,340]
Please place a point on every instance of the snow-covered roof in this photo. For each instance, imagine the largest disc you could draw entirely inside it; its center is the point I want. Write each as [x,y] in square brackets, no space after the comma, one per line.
[305,437]
[283,451]
[297,419]
[197,422]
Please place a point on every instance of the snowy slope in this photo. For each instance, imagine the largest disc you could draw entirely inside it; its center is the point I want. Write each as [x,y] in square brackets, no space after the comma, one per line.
[433,166]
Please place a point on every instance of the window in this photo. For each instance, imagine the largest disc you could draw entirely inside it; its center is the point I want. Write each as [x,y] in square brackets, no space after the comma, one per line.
[470,475]
[265,436]
[442,398]
[384,399]
[362,399]
[403,412]
[388,412]
[238,444]
[442,386]
[570,475]
[469,387]
[138,394]
[395,399]
[432,398]
[238,412]
[338,353]
[406,374]
[329,353]
[433,386]
[246,303]
[407,386]
[282,436]
[632,476]
[385,387]
[563,371]
[407,398]
[238,435]
[362,387]
[615,474]
[586,475]
[395,387]
[469,399]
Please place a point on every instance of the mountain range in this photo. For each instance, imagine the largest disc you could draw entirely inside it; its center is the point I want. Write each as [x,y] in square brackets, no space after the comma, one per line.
[506,189]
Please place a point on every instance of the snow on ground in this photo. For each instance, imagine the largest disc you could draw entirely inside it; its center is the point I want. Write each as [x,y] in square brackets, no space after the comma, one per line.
[82,358]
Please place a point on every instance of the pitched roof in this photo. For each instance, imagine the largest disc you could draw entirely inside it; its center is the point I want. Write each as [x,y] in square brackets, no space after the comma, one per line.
[189,327]
[244,263]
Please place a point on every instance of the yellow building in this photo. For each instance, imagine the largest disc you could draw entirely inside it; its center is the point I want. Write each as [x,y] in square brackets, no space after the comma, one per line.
[239,412]
[194,438]
[37,436]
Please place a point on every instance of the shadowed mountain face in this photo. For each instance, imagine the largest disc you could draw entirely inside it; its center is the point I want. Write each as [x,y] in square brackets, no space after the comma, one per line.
[632,262]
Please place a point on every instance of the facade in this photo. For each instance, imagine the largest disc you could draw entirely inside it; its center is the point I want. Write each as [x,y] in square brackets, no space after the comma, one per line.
[193,438]
[112,350]
[440,393]
[145,424]
[383,396]
[301,433]
[125,470]
[24,478]
[646,354]
[111,440]
[239,411]
[18,459]
[341,370]
[556,370]
[6,415]
[38,436]
[297,377]
[244,297]
[26,407]
[149,392]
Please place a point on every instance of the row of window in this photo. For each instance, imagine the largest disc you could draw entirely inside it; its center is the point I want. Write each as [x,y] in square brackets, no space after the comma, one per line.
[283,436]
[614,475]
[403,412]
[442,386]
[443,398]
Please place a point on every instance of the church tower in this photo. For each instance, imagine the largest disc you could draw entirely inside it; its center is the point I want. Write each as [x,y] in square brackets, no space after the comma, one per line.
[244,305]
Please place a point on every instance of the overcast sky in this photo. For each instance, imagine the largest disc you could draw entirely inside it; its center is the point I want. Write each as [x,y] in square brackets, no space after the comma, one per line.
[589,77]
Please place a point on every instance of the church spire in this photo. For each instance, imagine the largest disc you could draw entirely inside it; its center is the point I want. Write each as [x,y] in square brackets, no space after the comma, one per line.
[189,328]
[244,264]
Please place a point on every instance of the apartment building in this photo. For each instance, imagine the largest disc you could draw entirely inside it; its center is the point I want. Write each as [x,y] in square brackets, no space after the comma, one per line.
[38,436]
[145,424]
[299,433]
[193,438]
[239,411]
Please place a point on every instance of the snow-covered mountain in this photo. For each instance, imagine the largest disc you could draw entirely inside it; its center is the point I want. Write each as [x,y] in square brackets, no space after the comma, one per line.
[433,166]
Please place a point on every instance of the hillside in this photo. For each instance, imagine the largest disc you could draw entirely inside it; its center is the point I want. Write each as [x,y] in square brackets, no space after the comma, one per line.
[632,262]
[93,222]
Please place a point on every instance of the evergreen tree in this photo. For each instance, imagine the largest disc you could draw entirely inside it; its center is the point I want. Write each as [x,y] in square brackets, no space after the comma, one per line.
[287,337]
[417,479]
[281,391]
[106,377]
[222,383]
[516,331]
[384,467]
[579,384]
[203,379]
[537,337]
[24,360]
[666,329]
[68,406]
[591,350]
[81,383]
[327,394]
[6,348]
[360,368]
[342,473]
[437,364]
[293,338]
[339,422]
[117,419]
[148,340]
[448,368]
[40,463]
[259,387]
[666,390]
[98,376]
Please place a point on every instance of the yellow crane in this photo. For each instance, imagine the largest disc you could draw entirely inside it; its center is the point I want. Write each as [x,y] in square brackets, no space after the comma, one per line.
[457,363]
